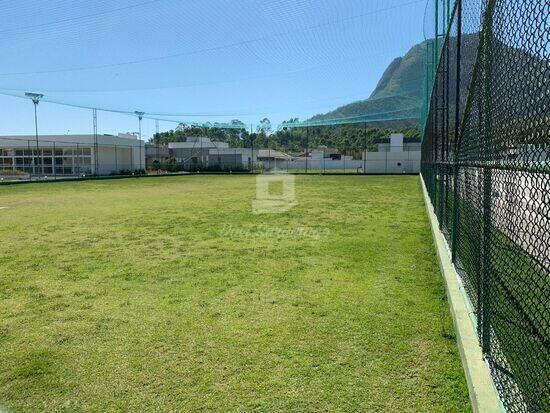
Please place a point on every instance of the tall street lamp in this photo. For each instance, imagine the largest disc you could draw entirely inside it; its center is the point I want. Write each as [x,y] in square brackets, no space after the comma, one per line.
[35,97]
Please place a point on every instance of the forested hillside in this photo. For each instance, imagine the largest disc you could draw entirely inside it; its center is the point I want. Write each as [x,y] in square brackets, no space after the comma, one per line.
[401,91]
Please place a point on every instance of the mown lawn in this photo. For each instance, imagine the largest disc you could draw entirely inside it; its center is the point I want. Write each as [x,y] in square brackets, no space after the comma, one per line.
[169,294]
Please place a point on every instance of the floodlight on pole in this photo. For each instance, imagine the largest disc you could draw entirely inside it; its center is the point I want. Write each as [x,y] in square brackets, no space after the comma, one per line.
[35,97]
[140,117]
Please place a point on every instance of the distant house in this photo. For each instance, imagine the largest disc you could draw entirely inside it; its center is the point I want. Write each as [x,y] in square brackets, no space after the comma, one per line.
[200,152]
[273,159]
[195,150]
[228,158]
[267,155]
[323,152]
[328,154]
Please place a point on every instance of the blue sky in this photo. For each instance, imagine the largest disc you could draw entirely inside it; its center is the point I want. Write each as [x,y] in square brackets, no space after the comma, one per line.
[208,60]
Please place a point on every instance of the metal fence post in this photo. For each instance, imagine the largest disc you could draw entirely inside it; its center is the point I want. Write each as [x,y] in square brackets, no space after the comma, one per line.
[252,152]
[307,145]
[77,159]
[96,144]
[365,151]
[446,133]
[456,148]
[486,267]
[343,149]
[54,167]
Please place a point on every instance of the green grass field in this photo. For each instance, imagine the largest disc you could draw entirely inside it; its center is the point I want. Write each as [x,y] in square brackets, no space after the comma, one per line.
[169,294]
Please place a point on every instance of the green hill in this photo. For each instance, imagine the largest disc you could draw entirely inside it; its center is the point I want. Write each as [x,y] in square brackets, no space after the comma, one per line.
[401,90]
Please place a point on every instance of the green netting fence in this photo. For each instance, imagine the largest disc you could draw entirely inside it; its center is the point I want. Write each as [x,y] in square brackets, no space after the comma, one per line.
[486,165]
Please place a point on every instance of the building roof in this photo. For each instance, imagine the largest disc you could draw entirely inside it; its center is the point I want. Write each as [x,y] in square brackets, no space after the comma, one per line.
[325,150]
[69,140]
[273,153]
[197,142]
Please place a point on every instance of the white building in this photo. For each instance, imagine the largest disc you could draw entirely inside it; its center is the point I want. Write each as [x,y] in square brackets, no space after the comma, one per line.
[394,158]
[397,145]
[332,154]
[71,155]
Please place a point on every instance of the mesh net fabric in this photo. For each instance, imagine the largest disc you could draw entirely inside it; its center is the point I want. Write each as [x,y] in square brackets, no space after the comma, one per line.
[220,48]
[488,176]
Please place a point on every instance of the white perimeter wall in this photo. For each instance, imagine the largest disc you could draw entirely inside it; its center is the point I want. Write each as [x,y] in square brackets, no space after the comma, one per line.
[114,159]
[375,162]
[392,162]
[116,153]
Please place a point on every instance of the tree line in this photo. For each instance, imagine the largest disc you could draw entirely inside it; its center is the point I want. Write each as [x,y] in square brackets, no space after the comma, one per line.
[348,139]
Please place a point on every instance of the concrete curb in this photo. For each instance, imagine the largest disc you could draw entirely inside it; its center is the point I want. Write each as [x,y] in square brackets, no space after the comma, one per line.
[483,395]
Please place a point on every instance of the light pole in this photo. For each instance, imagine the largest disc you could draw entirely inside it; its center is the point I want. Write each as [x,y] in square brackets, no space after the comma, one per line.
[140,117]
[35,97]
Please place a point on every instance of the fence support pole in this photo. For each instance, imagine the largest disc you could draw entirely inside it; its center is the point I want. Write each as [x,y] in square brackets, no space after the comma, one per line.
[446,113]
[343,149]
[251,153]
[157,139]
[454,235]
[307,145]
[96,146]
[77,159]
[252,145]
[487,270]
[140,143]
[54,166]
[435,131]
[365,151]
[436,44]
